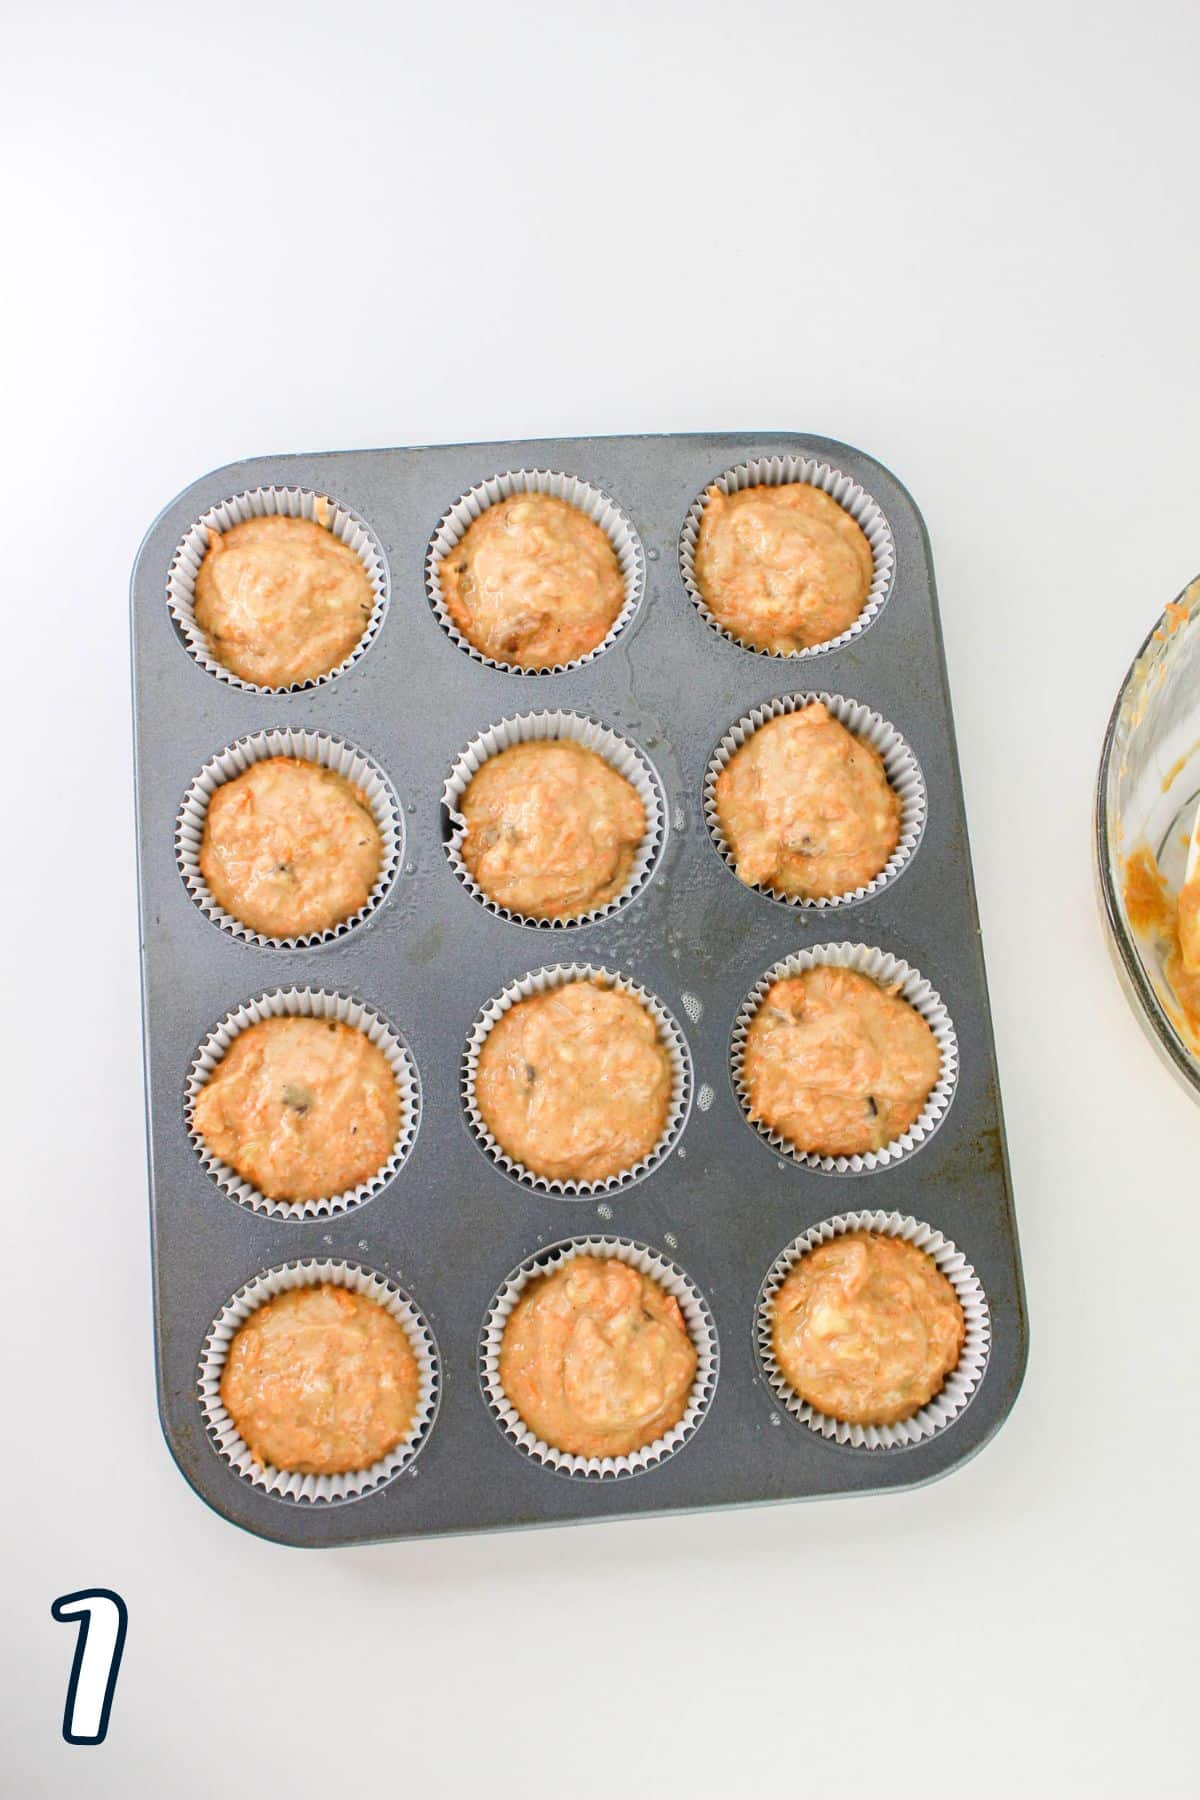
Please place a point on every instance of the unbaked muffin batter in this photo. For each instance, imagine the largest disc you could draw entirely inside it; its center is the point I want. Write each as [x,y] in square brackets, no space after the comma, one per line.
[281,600]
[533,582]
[782,568]
[575,1083]
[836,1063]
[552,829]
[866,1328]
[320,1381]
[596,1358]
[806,807]
[303,1109]
[290,847]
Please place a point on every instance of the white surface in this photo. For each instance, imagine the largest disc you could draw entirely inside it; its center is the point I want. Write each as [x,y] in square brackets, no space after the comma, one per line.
[965,238]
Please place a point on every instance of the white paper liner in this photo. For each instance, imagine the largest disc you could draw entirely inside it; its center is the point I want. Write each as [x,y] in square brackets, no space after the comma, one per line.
[544,727]
[540,981]
[305,1003]
[307,746]
[227,1440]
[701,1329]
[960,1384]
[590,500]
[900,765]
[257,503]
[890,972]
[779,471]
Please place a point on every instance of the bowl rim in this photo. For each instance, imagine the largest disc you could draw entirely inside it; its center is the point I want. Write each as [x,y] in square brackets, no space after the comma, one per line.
[1131,973]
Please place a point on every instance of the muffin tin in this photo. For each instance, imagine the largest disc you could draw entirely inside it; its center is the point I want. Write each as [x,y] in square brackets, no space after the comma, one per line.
[450,1226]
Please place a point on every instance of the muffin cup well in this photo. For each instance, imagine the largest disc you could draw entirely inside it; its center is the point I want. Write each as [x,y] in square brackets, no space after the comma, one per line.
[780,471]
[453,526]
[228,1441]
[546,727]
[900,765]
[540,981]
[963,1379]
[258,503]
[701,1329]
[305,1003]
[305,746]
[890,972]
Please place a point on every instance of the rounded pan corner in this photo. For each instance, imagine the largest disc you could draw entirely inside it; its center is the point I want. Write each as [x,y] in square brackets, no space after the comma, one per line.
[194,1479]
[235,476]
[1015,1382]
[889,492]
[1013,1379]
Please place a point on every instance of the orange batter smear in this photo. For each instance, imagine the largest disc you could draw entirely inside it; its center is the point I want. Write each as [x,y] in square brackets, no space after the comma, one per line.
[1175,616]
[1178,766]
[1148,904]
[1153,911]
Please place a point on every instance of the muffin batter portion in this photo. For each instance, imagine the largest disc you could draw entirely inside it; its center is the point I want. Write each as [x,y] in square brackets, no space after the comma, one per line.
[596,1358]
[782,568]
[290,847]
[281,600]
[575,1083]
[320,1381]
[807,808]
[533,582]
[303,1109]
[552,829]
[837,1064]
[866,1328]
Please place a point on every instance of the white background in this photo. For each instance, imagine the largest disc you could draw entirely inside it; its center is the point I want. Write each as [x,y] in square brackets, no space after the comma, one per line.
[962,237]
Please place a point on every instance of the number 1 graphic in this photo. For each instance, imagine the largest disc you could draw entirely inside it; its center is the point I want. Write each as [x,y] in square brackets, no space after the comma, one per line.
[102,1617]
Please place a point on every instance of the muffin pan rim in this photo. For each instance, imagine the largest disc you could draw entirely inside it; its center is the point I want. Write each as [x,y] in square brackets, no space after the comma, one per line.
[385,486]
[181,588]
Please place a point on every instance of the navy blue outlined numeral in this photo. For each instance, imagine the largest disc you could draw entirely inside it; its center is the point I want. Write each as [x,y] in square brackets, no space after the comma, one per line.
[102,1618]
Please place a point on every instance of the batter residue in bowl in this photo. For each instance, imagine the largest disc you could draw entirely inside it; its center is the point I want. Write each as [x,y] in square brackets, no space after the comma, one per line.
[1155,912]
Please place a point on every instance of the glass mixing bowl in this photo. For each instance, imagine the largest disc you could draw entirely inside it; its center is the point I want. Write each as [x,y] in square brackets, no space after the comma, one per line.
[1146,798]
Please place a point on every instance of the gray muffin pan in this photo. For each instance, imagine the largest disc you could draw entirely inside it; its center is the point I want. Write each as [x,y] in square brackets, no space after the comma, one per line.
[452,1224]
